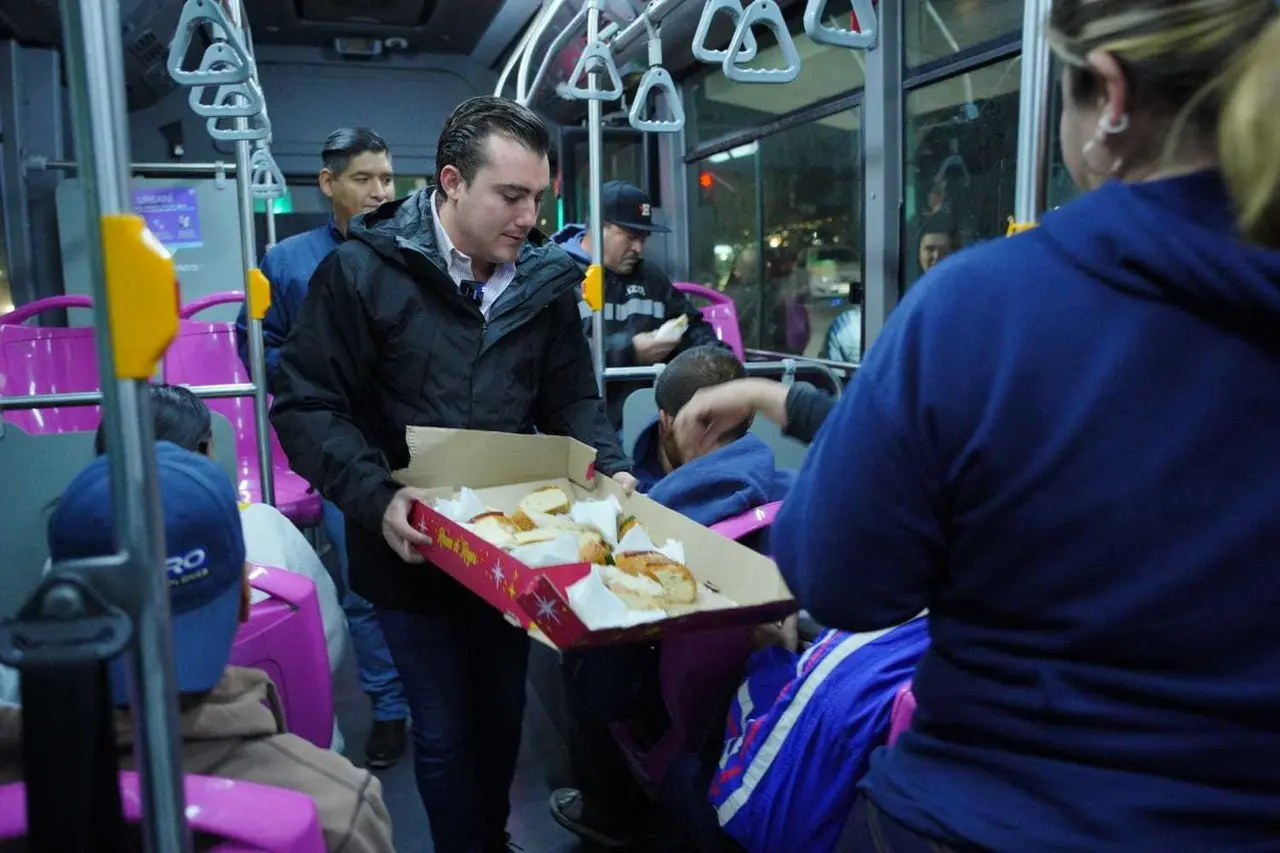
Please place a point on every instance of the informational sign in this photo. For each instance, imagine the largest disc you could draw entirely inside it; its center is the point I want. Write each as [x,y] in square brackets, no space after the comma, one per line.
[172,214]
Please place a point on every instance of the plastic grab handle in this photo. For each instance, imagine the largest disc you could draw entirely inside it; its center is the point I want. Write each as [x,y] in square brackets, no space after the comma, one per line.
[232,100]
[863,38]
[236,66]
[142,295]
[660,79]
[257,293]
[577,89]
[259,129]
[702,53]
[763,12]
[593,287]
[267,181]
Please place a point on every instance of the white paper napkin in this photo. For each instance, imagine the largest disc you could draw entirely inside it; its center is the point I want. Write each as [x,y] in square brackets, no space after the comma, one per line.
[462,509]
[637,540]
[599,515]
[559,551]
[598,607]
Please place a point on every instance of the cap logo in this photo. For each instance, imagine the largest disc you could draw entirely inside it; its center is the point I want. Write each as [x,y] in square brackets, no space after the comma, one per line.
[645,210]
[186,568]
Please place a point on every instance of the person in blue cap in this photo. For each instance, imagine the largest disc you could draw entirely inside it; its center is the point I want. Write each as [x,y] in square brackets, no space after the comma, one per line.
[638,296]
[231,717]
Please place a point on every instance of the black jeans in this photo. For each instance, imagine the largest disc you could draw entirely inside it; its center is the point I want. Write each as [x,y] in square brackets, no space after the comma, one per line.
[463,670]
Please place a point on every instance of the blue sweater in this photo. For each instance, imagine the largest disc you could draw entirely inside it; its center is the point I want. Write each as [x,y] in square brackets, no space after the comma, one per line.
[1067,445]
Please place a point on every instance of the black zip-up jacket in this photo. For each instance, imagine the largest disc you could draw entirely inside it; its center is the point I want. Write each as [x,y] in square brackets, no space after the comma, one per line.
[640,301]
[385,340]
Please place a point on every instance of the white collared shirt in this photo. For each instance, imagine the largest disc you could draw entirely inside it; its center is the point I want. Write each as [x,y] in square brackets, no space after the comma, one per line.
[460,265]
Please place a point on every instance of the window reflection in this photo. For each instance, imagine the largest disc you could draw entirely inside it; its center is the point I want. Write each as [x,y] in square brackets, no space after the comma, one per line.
[777,225]
[720,107]
[1061,187]
[937,29]
[961,151]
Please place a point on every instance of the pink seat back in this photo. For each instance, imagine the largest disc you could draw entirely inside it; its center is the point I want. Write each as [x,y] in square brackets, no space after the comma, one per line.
[284,637]
[245,817]
[48,360]
[904,708]
[205,354]
[696,671]
[719,311]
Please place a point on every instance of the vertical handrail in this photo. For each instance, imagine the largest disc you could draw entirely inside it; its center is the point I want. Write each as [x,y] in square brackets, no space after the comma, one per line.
[253,311]
[1032,175]
[595,161]
[95,72]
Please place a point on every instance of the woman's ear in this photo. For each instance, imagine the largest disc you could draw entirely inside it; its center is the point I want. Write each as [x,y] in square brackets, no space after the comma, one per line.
[1114,90]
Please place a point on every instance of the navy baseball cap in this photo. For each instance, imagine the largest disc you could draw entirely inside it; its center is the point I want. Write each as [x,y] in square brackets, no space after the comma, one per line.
[204,556]
[627,205]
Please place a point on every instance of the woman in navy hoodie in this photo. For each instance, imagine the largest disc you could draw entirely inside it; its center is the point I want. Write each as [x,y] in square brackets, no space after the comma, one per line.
[1066,445]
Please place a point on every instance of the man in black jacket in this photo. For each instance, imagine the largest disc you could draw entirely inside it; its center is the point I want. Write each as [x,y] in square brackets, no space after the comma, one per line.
[443,309]
[638,297]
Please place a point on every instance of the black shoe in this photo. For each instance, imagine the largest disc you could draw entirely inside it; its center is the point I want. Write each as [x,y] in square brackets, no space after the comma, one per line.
[567,809]
[385,746]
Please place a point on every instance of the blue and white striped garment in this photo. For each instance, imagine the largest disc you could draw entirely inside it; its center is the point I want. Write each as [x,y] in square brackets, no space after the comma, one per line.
[801,731]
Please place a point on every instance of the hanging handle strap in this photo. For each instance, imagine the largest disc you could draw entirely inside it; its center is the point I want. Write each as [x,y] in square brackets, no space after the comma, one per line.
[596,58]
[768,13]
[863,38]
[258,129]
[225,61]
[267,180]
[656,82]
[232,100]
[702,53]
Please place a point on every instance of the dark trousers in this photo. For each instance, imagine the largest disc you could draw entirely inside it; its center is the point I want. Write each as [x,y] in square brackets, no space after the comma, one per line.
[608,685]
[463,670]
[872,831]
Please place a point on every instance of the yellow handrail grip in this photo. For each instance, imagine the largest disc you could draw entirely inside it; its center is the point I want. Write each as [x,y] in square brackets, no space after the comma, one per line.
[258,292]
[142,295]
[1019,227]
[593,287]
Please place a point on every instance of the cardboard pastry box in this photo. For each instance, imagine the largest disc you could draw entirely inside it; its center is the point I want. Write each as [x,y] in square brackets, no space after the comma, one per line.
[736,585]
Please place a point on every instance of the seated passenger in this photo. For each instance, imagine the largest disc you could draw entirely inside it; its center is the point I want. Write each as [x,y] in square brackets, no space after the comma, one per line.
[620,683]
[227,730]
[799,737]
[638,296]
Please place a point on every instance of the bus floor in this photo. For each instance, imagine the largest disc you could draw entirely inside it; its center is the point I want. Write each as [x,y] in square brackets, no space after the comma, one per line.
[543,760]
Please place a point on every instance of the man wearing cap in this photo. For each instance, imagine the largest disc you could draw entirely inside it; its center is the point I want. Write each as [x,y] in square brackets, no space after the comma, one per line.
[638,297]
[231,717]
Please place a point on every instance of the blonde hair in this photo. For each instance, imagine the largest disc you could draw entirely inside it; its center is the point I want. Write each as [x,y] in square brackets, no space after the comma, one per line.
[1211,66]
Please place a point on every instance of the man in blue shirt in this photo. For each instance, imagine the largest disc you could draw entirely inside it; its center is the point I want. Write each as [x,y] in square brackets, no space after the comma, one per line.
[356,178]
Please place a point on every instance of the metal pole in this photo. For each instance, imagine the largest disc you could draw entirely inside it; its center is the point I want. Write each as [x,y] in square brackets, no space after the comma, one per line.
[595,163]
[93,398]
[95,66]
[248,252]
[635,31]
[271,223]
[882,153]
[201,170]
[1032,176]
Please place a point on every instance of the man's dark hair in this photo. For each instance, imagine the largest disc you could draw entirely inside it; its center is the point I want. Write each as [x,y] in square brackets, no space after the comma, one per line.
[940,223]
[180,417]
[462,142]
[347,143]
[690,372]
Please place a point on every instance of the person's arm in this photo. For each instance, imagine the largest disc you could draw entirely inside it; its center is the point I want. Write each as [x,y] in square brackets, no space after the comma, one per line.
[568,400]
[805,411]
[699,332]
[323,367]
[859,539]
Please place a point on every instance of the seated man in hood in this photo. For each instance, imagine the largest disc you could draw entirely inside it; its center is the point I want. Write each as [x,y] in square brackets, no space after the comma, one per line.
[620,683]
[638,296]
[231,718]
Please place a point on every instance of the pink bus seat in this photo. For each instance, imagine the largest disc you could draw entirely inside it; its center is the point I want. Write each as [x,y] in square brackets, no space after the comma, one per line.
[205,354]
[904,708]
[48,360]
[719,311]
[225,297]
[243,817]
[284,638]
[696,671]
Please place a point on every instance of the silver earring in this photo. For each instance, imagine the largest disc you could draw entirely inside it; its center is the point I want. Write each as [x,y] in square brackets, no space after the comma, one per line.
[1111,128]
